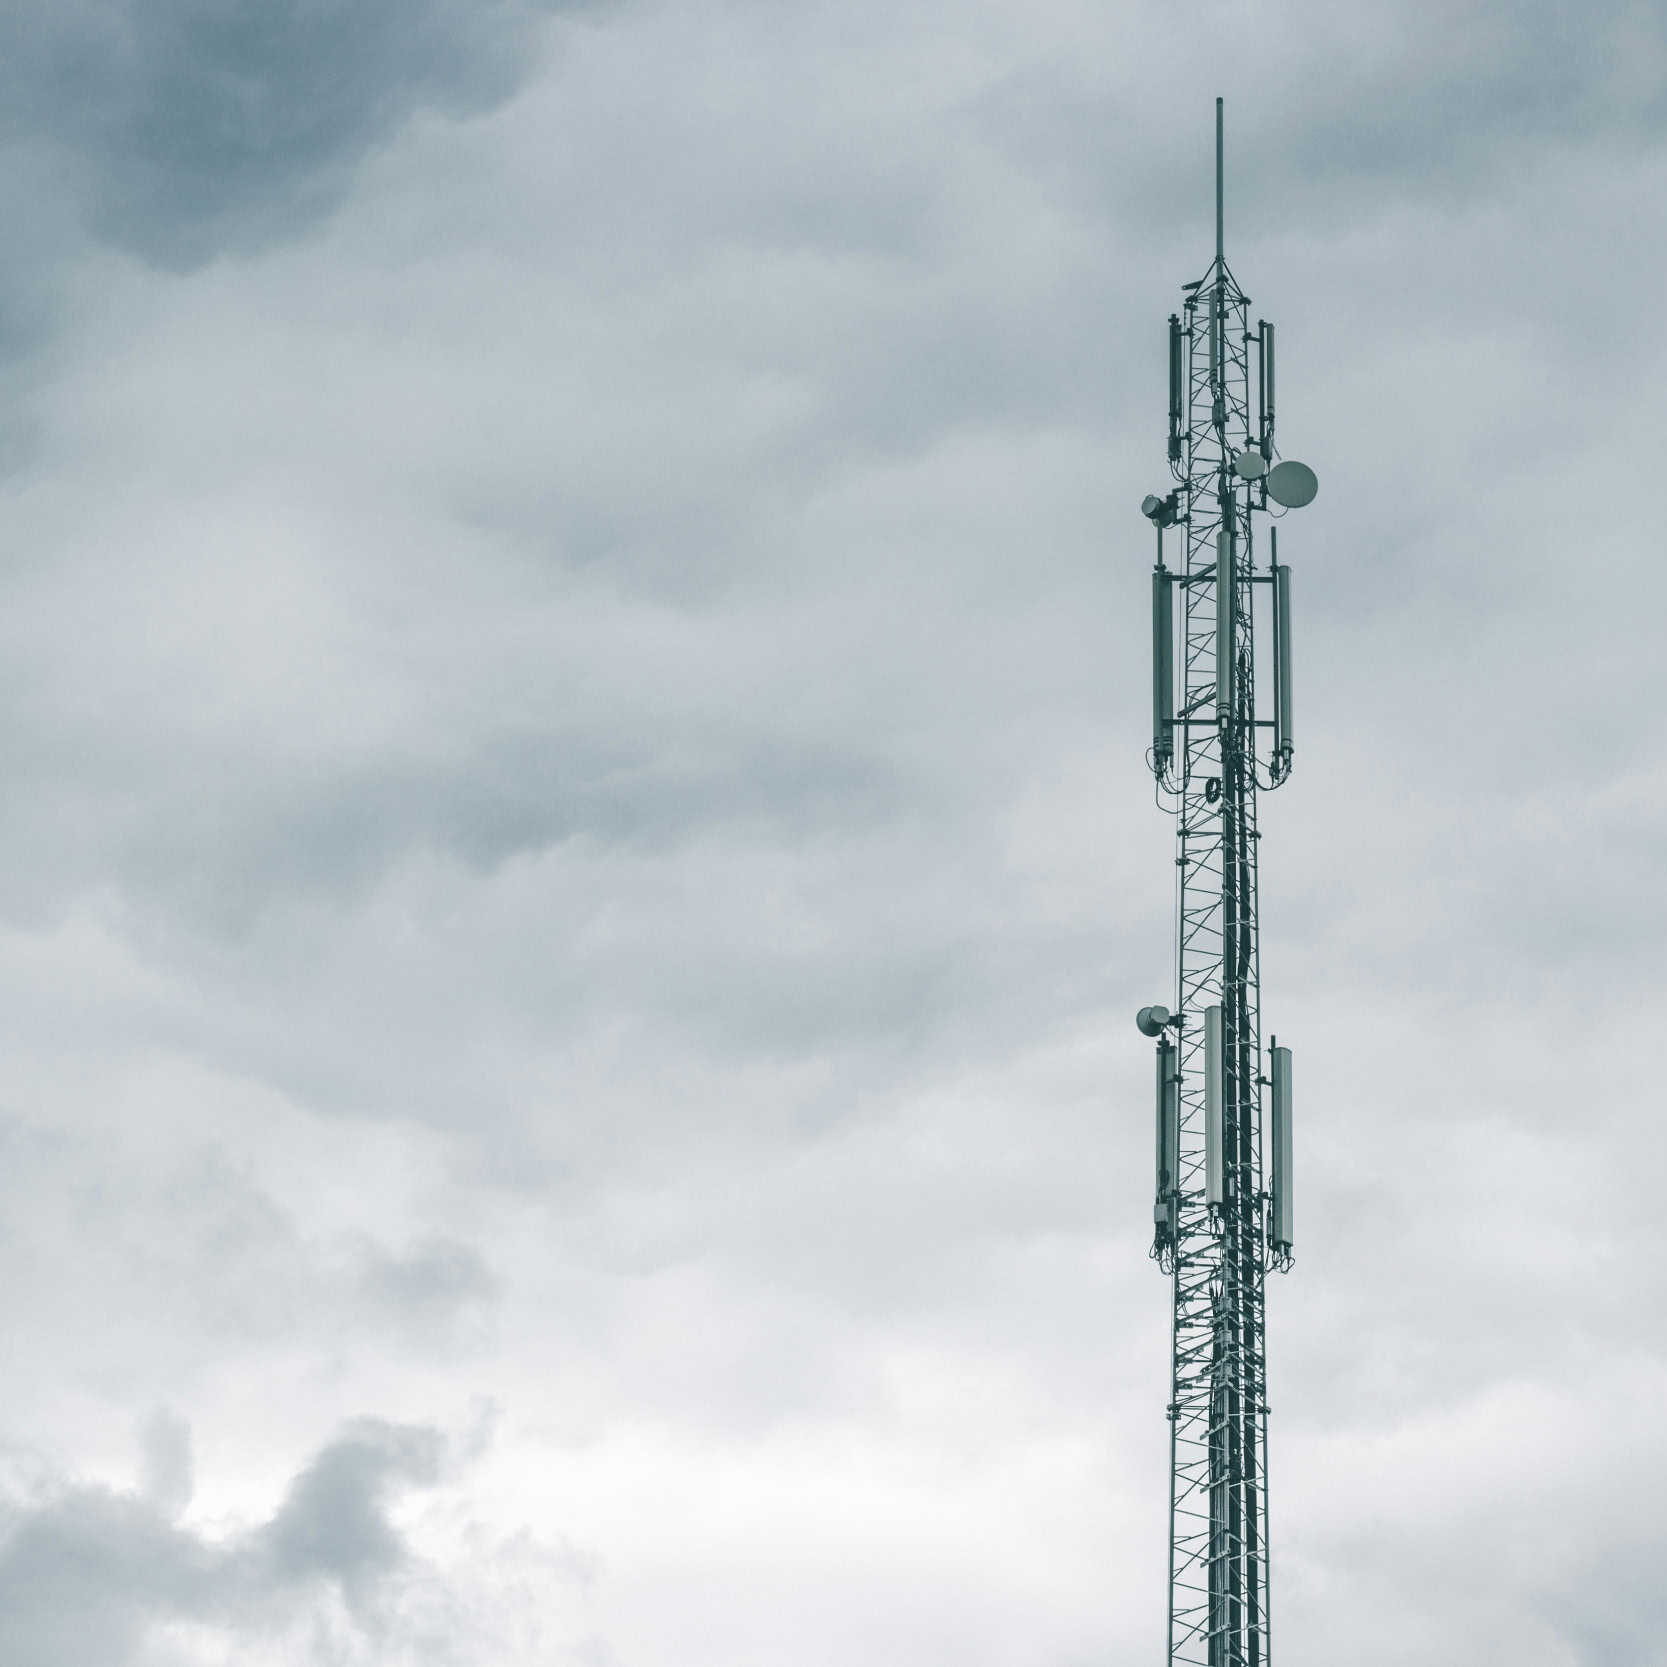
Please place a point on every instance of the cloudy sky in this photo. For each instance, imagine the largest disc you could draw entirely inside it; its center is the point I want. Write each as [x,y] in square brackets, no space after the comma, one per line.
[575,863]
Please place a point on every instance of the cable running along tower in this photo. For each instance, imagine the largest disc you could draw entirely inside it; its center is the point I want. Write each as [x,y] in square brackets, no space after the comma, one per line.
[1223,1212]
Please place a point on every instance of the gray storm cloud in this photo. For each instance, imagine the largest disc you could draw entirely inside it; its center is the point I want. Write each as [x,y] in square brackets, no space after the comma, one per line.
[194,129]
[87,1572]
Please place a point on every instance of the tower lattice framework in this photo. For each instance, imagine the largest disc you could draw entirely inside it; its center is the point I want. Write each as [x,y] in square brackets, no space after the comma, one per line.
[1222,1216]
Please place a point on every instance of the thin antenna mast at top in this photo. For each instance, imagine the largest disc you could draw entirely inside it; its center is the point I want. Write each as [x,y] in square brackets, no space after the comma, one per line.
[1219,243]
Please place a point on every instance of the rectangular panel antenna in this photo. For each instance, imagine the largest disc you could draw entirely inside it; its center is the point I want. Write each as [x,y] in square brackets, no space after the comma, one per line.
[1265,390]
[1177,386]
[1163,670]
[1168,1142]
[1224,622]
[1280,1217]
[1282,743]
[1212,1105]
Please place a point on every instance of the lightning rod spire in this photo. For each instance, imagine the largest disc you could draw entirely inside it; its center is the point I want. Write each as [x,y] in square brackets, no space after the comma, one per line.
[1221,254]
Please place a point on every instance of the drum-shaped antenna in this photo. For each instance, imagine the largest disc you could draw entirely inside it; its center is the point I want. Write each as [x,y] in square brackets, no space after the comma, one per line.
[1292,484]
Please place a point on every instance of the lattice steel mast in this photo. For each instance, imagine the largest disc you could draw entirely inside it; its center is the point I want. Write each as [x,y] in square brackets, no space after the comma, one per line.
[1223,1212]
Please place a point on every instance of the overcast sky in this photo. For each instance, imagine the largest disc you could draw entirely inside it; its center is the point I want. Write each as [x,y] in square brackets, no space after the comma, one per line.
[576,867]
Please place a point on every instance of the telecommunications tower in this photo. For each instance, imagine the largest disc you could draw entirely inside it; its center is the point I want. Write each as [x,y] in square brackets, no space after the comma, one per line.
[1222,1217]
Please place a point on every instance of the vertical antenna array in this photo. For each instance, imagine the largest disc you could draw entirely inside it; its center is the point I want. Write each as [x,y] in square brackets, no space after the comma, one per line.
[1223,1211]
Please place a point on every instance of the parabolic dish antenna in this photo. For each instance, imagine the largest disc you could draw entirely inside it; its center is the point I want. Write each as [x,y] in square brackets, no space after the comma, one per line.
[1292,484]
[1250,465]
